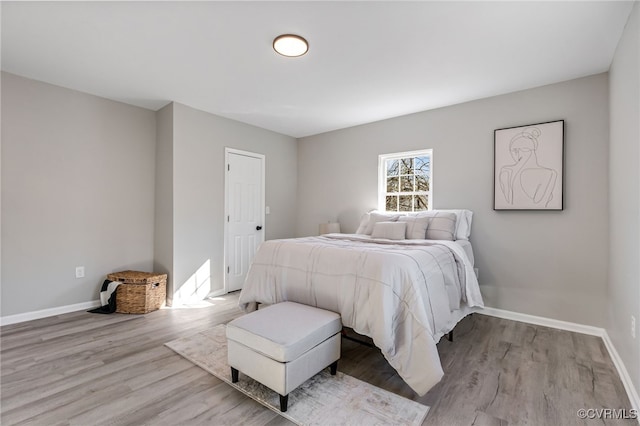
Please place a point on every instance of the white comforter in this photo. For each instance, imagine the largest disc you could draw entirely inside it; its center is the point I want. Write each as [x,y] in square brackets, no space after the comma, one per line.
[405,294]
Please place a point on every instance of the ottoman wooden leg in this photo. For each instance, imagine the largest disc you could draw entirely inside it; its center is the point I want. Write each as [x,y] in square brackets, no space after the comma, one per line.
[234,375]
[284,401]
[334,368]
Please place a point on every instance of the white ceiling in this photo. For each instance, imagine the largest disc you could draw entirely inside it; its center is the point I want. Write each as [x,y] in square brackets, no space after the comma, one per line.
[367,60]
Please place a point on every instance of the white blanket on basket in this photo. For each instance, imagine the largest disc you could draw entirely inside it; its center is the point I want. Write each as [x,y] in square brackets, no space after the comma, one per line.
[106,293]
[405,294]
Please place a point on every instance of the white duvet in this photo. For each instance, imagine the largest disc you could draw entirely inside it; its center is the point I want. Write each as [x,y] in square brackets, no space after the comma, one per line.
[404,294]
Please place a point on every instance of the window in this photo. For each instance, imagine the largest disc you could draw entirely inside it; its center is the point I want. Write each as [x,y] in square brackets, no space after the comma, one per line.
[404,182]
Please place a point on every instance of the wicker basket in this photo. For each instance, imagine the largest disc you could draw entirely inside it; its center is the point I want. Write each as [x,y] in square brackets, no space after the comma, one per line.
[140,292]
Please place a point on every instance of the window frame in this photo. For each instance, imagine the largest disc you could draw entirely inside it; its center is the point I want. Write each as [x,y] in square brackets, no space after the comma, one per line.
[382,177]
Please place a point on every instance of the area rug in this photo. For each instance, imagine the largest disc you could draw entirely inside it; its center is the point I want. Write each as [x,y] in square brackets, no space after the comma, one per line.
[322,400]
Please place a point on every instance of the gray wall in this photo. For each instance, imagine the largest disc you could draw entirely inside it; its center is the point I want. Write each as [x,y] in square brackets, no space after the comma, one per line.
[77,190]
[83,184]
[198,191]
[163,230]
[552,264]
[624,194]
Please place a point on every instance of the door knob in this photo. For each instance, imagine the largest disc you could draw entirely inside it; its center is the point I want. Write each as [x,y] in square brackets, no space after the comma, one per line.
[258,228]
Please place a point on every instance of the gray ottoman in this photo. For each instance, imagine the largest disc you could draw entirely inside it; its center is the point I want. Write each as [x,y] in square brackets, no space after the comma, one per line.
[283,345]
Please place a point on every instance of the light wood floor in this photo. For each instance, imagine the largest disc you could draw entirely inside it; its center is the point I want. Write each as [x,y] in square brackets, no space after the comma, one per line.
[90,369]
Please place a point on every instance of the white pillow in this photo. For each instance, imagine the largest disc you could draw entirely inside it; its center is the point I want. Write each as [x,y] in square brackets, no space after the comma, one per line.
[463,222]
[462,229]
[442,226]
[416,226]
[389,230]
[375,217]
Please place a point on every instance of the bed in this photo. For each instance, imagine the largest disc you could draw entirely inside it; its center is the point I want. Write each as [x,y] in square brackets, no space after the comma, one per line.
[405,294]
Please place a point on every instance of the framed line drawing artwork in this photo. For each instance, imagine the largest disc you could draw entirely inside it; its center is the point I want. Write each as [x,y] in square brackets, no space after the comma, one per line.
[529,167]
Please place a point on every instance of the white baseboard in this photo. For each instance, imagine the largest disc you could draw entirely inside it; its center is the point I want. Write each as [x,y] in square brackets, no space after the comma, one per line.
[546,322]
[50,312]
[577,328]
[217,293]
[624,374]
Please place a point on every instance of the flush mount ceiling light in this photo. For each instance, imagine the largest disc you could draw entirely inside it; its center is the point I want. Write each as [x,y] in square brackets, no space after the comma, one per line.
[290,45]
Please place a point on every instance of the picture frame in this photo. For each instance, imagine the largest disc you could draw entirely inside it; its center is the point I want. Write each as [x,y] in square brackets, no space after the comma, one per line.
[528,167]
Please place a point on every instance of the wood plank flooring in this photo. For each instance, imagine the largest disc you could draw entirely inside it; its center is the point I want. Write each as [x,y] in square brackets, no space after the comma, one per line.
[90,369]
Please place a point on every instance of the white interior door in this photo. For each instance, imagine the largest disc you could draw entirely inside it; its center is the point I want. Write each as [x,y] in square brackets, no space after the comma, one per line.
[245,213]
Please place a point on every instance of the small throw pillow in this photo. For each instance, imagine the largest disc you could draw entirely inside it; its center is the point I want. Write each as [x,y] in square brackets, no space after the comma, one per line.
[375,217]
[416,227]
[442,226]
[389,230]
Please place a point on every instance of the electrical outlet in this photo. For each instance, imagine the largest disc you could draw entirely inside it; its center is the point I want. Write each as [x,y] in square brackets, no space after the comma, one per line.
[633,326]
[79,271]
